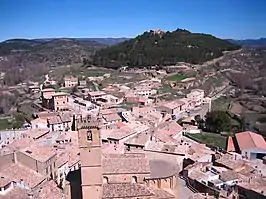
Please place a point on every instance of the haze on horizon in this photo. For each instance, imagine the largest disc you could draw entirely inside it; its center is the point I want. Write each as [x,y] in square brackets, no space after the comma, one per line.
[234,19]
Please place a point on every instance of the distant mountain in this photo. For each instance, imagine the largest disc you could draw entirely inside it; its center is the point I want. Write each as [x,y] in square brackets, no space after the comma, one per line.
[107,41]
[51,51]
[163,48]
[250,42]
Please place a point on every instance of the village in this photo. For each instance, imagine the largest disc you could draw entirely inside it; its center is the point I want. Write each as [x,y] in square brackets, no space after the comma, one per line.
[95,137]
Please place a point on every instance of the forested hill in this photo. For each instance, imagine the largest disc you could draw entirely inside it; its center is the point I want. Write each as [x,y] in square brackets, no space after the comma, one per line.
[163,48]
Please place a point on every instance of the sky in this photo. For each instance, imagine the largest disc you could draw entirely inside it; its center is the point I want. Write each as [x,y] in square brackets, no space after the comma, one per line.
[236,19]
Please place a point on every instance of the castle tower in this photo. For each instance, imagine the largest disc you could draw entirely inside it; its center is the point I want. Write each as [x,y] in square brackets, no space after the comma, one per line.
[90,156]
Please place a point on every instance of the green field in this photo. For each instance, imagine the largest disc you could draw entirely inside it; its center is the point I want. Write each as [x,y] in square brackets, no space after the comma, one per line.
[221,103]
[211,138]
[176,77]
[4,124]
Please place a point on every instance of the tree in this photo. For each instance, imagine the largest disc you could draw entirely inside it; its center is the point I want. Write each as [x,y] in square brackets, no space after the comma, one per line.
[19,121]
[197,118]
[217,121]
[199,121]
[74,89]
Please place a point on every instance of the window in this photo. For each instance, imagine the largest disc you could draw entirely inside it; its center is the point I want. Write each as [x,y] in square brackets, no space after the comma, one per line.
[134,179]
[89,135]
[105,180]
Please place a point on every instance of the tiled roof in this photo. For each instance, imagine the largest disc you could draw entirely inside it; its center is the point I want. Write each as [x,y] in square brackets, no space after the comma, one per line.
[19,144]
[15,193]
[36,133]
[249,140]
[229,175]
[60,94]
[228,161]
[120,133]
[49,190]
[162,194]
[39,120]
[18,172]
[40,153]
[96,93]
[169,168]
[174,104]
[111,117]
[54,120]
[70,154]
[125,190]
[108,111]
[125,164]
[139,139]
[4,180]
[163,136]
[65,117]
[46,114]
[230,145]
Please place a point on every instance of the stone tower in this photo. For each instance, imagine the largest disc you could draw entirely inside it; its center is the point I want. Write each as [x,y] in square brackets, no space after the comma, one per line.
[90,156]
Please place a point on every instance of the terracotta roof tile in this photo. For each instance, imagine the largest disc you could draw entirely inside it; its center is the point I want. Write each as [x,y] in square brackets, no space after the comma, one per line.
[162,194]
[40,153]
[49,190]
[15,193]
[18,172]
[125,164]
[248,140]
[230,145]
[125,190]
[36,133]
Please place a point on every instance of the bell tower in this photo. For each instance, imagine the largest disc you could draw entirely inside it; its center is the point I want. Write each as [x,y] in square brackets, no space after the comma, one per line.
[90,156]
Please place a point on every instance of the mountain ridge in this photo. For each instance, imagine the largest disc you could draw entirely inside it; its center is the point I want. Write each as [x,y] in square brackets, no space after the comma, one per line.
[157,47]
[261,42]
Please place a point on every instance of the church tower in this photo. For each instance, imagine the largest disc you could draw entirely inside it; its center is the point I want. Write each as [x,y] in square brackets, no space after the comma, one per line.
[90,156]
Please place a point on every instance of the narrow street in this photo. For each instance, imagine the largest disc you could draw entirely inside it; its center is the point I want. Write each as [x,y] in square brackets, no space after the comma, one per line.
[184,191]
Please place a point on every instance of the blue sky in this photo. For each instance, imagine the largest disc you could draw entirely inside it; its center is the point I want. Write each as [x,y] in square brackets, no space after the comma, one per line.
[237,19]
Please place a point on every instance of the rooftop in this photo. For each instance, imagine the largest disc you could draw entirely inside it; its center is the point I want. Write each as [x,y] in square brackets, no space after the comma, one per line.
[111,117]
[125,190]
[230,145]
[162,194]
[49,190]
[18,172]
[229,175]
[120,133]
[36,133]
[249,140]
[96,93]
[15,193]
[139,139]
[125,164]
[60,94]
[169,168]
[19,144]
[39,153]
[174,104]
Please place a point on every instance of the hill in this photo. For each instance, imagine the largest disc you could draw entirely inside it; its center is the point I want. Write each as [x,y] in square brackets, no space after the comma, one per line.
[54,52]
[163,48]
[106,41]
[22,59]
[250,42]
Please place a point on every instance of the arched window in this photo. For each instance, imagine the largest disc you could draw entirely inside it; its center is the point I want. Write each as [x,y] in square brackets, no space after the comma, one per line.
[105,180]
[89,135]
[134,179]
